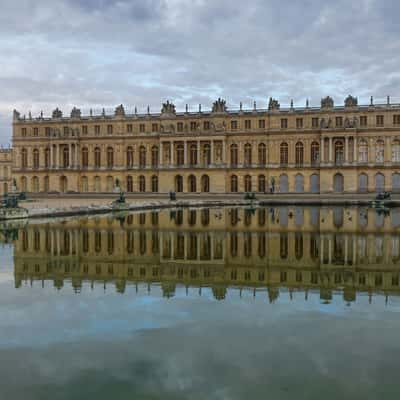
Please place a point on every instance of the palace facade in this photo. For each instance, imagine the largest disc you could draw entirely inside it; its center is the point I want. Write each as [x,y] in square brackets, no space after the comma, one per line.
[343,149]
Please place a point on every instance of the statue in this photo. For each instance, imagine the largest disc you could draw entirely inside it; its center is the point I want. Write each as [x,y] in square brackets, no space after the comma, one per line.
[57,113]
[30,116]
[16,115]
[168,108]
[120,111]
[327,102]
[350,101]
[76,113]
[273,104]
[219,106]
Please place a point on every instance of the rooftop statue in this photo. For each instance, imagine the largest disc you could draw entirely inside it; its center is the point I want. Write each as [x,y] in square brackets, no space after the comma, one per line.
[57,113]
[120,111]
[16,115]
[327,102]
[75,113]
[350,101]
[273,104]
[168,108]
[219,106]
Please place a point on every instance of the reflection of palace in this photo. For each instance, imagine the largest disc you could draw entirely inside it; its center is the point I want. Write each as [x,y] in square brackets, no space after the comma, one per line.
[218,248]
[348,148]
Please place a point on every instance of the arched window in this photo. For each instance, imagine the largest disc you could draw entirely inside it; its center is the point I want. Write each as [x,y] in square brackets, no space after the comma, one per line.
[97,184]
[234,155]
[85,157]
[284,154]
[314,183]
[234,184]
[338,183]
[129,157]
[379,151]
[24,158]
[46,184]
[379,182]
[299,183]
[110,184]
[47,157]
[193,154]
[110,157]
[247,183]
[261,183]
[142,157]
[363,183]
[66,157]
[339,152]
[206,154]
[283,183]
[35,184]
[97,157]
[192,183]
[363,152]
[299,154]
[129,184]
[396,151]
[396,182]
[154,156]
[178,184]
[315,153]
[205,183]
[84,184]
[247,155]
[63,184]
[154,184]
[142,183]
[180,154]
[262,154]
[35,158]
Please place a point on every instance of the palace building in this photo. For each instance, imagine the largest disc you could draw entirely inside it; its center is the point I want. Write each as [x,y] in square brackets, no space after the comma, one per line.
[328,149]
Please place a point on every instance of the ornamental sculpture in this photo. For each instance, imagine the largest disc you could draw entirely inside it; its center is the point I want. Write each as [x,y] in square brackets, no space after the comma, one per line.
[75,113]
[16,115]
[273,104]
[168,108]
[350,101]
[120,111]
[57,113]
[219,106]
[327,102]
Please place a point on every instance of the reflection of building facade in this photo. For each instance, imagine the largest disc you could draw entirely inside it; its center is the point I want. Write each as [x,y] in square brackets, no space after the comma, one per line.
[5,170]
[135,250]
[328,149]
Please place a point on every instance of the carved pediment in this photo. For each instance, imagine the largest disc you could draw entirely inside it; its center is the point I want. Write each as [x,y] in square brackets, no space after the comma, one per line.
[351,122]
[327,102]
[219,106]
[273,104]
[75,113]
[120,111]
[168,108]
[57,113]
[350,101]
[167,128]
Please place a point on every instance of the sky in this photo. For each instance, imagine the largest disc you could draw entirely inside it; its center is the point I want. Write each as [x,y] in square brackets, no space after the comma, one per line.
[101,53]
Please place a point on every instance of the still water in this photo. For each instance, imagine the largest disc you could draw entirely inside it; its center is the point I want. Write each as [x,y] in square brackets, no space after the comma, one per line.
[276,303]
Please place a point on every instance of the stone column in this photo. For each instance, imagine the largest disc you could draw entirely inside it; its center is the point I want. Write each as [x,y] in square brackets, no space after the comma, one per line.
[185,153]
[224,157]
[330,250]
[346,149]
[172,147]
[70,156]
[212,152]
[322,249]
[51,161]
[322,150]
[198,153]
[160,155]
[57,155]
[330,151]
[355,150]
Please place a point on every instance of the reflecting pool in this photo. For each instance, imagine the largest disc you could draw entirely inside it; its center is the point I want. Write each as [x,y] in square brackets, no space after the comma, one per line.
[224,303]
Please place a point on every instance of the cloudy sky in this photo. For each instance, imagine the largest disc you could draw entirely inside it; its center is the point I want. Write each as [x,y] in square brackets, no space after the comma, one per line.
[95,53]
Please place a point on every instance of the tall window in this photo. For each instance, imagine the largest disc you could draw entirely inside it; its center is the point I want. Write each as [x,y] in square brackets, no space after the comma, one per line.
[262,154]
[247,124]
[314,153]
[47,157]
[129,184]
[110,157]
[339,152]
[379,151]
[24,158]
[247,154]
[299,154]
[284,153]
[193,154]
[129,157]
[154,184]
[261,183]
[154,156]
[379,120]
[192,183]
[85,157]
[97,157]
[247,183]
[284,123]
[396,151]
[35,158]
[363,151]
[178,184]
[142,157]
[180,155]
[206,154]
[234,155]
[234,184]
[142,183]
[65,156]
[205,183]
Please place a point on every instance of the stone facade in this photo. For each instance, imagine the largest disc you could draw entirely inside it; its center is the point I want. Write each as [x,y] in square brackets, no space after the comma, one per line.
[6,181]
[349,148]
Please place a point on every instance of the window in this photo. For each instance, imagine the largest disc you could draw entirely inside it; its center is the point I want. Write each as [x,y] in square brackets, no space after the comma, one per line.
[379,120]
[193,126]
[315,122]
[284,153]
[65,156]
[154,184]
[205,183]
[284,123]
[23,132]
[193,154]
[47,157]
[363,120]
[339,121]
[97,157]
[299,123]
[363,151]
[66,130]
[154,128]
[180,154]
[234,154]
[35,158]
[142,157]
[192,183]
[379,151]
[109,129]
[129,128]
[180,127]
[396,151]
[142,184]
[299,154]
[129,184]
[178,184]
[262,154]
[247,183]
[35,131]
[396,119]
[234,125]
[97,130]
[206,154]
[234,184]
[47,131]
[261,124]
[339,152]
[247,124]
[154,156]
[247,154]
[314,153]
[142,128]
[206,125]
[129,157]
[110,157]
[85,157]
[84,130]
[261,183]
